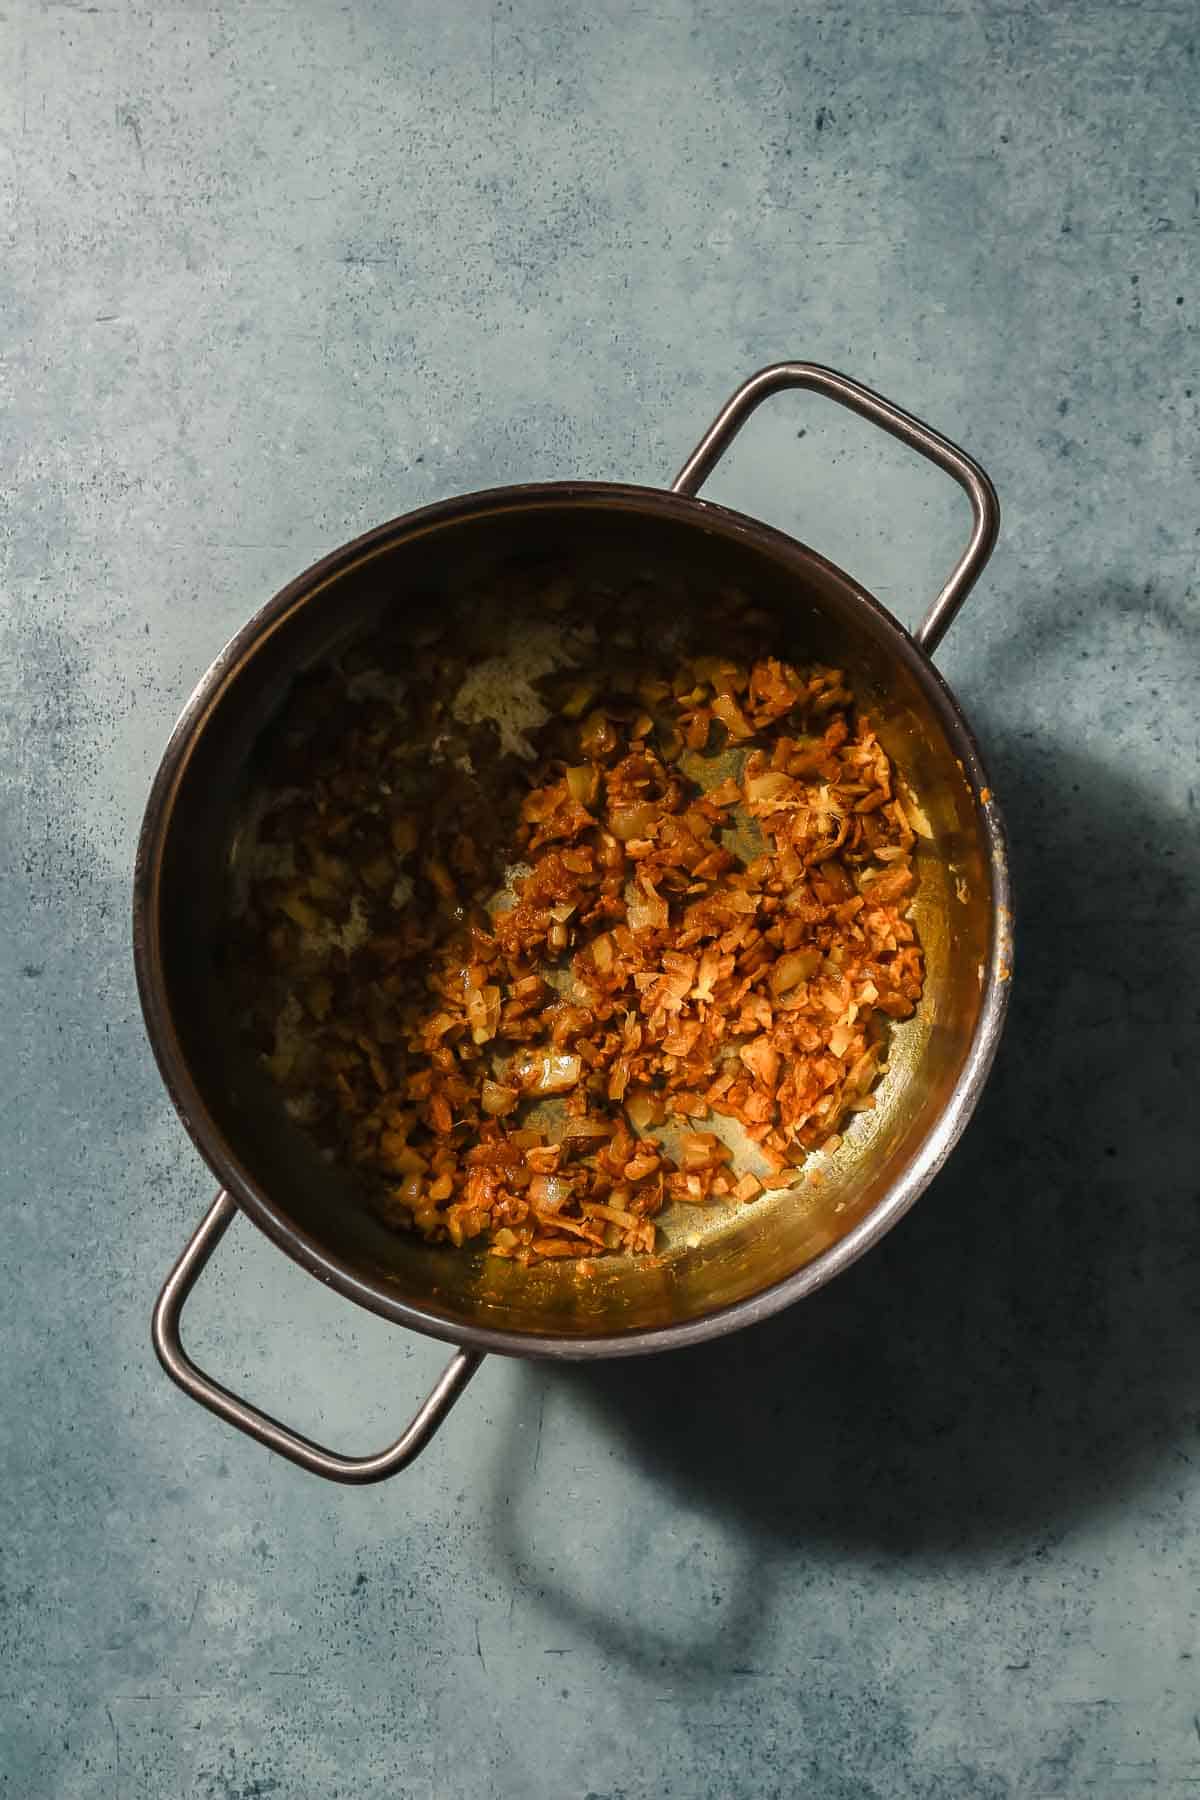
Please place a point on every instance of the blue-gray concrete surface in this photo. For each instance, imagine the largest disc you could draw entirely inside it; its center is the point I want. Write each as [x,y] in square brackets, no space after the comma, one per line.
[271,273]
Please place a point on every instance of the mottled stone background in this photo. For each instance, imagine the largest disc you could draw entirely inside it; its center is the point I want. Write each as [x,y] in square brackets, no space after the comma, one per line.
[271,273]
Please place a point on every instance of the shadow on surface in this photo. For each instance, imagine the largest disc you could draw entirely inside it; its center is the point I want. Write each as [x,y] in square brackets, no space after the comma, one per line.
[1024,1346]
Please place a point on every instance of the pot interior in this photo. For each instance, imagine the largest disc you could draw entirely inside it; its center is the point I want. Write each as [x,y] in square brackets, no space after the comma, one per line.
[711,1259]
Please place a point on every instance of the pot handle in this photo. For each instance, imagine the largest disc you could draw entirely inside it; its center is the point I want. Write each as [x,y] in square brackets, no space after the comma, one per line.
[259,1425]
[985,507]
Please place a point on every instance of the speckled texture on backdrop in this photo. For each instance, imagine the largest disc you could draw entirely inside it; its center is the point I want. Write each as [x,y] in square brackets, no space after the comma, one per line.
[271,273]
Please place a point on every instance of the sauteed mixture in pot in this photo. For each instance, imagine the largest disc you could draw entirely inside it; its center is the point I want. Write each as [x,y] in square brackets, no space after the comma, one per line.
[521,935]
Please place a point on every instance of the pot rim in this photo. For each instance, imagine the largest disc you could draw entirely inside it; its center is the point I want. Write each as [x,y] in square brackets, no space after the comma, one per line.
[219,1154]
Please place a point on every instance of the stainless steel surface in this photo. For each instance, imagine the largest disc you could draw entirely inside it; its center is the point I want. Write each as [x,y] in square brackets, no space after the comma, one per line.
[737,1265]
[985,507]
[354,1470]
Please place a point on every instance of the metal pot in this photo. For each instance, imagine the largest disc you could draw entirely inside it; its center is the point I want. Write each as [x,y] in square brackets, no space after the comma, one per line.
[745,1264]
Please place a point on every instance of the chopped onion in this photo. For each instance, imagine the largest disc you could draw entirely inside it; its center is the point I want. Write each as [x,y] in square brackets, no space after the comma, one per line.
[771,789]
[629,822]
[483,1011]
[762,1059]
[652,690]
[549,1192]
[584,1128]
[702,1150]
[678,982]
[726,708]
[863,1073]
[579,699]
[643,963]
[710,970]
[582,783]
[595,1209]
[793,967]
[643,1109]
[597,735]
[913,814]
[300,912]
[647,910]
[439,875]
[720,674]
[546,1073]
[404,836]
